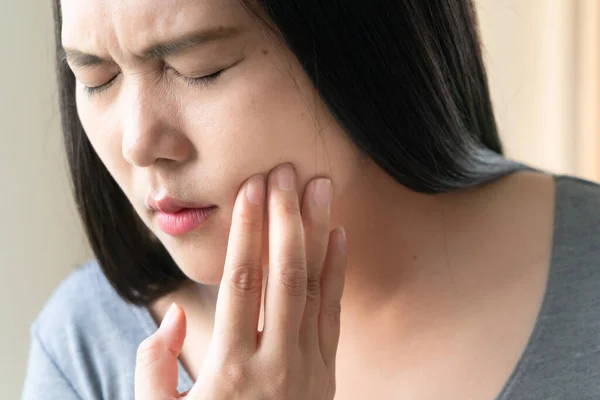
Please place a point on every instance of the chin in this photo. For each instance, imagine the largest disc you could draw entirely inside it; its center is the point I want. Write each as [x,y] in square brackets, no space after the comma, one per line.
[204,266]
[200,257]
[201,267]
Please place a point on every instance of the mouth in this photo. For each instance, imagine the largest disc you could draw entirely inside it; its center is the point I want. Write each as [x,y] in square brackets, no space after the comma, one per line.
[176,217]
[184,220]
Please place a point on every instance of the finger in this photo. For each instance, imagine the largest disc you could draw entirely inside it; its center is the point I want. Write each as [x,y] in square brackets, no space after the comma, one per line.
[332,282]
[316,208]
[286,286]
[238,301]
[156,368]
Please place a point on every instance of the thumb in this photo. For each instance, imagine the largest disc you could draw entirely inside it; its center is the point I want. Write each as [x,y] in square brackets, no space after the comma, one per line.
[156,368]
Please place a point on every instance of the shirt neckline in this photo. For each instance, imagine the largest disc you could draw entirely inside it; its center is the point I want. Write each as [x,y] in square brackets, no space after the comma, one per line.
[538,326]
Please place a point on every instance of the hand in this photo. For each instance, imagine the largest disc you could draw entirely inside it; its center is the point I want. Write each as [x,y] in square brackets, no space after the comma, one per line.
[294,356]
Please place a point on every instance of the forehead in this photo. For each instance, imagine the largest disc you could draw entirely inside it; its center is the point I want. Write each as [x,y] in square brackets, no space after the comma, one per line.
[128,26]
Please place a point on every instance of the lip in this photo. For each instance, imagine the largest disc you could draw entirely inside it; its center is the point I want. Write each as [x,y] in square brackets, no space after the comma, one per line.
[170,205]
[183,221]
[176,217]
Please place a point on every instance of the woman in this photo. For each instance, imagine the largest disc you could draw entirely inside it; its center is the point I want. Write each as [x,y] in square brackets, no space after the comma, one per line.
[216,143]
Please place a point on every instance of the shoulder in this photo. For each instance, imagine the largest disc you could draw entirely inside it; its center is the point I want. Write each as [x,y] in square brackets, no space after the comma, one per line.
[562,356]
[576,246]
[83,302]
[579,191]
[90,333]
[577,219]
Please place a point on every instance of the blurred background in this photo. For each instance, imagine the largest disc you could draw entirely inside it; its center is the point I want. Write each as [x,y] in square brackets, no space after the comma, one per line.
[543,58]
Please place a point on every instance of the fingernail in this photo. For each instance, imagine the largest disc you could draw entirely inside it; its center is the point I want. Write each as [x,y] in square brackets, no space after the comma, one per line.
[285,178]
[169,317]
[323,192]
[342,241]
[255,190]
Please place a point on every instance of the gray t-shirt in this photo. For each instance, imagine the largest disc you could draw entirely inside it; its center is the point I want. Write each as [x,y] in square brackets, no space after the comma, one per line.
[84,342]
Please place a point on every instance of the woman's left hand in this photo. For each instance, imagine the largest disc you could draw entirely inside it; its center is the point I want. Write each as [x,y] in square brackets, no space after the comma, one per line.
[293,358]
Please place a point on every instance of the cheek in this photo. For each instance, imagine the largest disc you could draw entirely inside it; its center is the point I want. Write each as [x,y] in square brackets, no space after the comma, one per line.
[103,133]
[261,119]
[261,122]
[282,120]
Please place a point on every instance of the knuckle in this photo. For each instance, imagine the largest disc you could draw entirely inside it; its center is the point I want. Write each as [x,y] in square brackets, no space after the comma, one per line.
[288,206]
[313,288]
[245,279]
[233,378]
[332,310]
[149,351]
[249,222]
[280,383]
[293,277]
[235,374]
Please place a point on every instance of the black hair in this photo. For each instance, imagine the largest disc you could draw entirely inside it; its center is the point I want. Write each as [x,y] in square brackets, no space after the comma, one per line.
[404,78]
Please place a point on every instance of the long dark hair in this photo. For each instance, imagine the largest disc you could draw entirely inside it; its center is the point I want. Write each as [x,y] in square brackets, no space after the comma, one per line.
[404,78]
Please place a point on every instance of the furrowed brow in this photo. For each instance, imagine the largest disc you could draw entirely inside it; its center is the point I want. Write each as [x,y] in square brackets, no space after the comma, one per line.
[178,45]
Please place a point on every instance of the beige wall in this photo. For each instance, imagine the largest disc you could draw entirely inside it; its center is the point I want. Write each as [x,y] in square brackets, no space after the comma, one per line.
[525,42]
[39,239]
[587,87]
[542,57]
[527,50]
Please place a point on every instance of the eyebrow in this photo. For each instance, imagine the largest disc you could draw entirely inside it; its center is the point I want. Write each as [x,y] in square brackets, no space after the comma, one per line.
[80,59]
[160,50]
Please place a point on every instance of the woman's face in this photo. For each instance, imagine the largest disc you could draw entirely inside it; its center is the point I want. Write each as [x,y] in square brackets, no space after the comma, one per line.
[163,130]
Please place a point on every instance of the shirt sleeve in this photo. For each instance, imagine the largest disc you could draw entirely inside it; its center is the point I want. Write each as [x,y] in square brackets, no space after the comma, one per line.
[43,379]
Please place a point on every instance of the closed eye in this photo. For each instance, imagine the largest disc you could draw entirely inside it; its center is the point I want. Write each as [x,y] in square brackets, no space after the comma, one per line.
[201,80]
[193,81]
[95,90]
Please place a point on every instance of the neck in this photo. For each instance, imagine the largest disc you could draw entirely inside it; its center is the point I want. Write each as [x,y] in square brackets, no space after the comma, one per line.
[396,244]
[396,250]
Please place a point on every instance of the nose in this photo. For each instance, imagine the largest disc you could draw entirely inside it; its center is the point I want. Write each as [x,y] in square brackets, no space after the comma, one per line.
[150,129]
